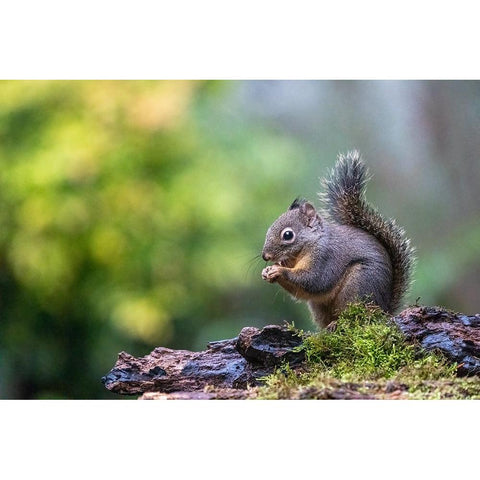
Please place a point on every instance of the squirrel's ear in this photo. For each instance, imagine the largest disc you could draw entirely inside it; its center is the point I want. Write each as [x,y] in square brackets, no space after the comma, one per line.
[311,216]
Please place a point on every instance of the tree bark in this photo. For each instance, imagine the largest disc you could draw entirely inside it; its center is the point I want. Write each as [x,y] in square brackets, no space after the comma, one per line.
[457,336]
[226,365]
[227,368]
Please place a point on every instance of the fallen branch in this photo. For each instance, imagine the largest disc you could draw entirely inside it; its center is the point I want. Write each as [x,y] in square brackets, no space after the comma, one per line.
[226,364]
[457,336]
[227,368]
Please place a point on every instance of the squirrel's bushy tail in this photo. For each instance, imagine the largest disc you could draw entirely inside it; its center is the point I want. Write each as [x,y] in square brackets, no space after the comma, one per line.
[344,201]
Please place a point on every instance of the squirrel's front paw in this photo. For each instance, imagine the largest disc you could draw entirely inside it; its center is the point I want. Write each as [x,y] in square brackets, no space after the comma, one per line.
[271,273]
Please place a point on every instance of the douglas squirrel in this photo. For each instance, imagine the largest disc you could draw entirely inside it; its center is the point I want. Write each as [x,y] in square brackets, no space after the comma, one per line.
[342,253]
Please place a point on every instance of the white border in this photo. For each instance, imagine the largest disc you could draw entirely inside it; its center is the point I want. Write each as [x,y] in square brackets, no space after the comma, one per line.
[244,40]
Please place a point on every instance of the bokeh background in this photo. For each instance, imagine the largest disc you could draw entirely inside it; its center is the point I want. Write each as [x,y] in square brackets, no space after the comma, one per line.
[133,212]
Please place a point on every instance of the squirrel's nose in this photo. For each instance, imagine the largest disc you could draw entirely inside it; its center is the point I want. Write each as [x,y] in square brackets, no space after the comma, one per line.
[266,256]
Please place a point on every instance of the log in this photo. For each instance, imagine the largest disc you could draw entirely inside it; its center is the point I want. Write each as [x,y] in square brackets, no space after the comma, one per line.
[227,368]
[225,365]
[456,335]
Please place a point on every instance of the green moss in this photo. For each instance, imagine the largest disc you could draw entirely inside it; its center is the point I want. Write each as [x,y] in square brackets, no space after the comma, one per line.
[366,356]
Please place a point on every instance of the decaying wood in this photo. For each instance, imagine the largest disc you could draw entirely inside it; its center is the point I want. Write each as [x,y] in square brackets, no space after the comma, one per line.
[226,364]
[227,368]
[457,336]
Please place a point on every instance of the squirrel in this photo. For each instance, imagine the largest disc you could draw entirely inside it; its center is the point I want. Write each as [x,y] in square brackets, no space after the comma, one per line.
[343,253]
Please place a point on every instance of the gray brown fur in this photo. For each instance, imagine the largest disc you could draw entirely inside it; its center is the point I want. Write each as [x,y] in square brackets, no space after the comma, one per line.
[344,253]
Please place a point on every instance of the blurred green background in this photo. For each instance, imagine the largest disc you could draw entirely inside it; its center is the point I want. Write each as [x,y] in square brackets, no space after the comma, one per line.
[133,212]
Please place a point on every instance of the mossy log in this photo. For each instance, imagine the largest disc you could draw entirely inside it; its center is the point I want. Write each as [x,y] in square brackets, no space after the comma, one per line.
[227,368]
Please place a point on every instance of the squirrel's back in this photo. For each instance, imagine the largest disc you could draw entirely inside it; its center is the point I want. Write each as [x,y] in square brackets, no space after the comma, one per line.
[344,202]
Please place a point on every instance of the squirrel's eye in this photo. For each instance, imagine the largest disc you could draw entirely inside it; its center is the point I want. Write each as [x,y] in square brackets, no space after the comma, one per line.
[288,235]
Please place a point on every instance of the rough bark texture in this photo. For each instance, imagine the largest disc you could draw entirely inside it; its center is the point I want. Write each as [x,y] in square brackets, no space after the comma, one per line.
[457,336]
[228,368]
